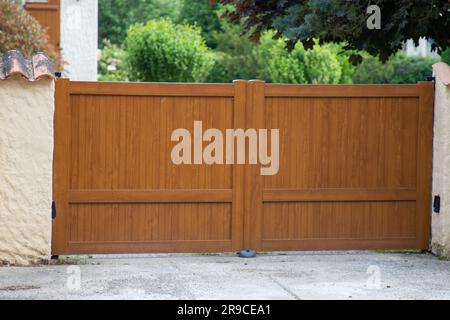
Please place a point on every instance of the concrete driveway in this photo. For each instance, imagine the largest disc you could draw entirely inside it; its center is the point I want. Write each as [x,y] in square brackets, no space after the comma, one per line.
[305,275]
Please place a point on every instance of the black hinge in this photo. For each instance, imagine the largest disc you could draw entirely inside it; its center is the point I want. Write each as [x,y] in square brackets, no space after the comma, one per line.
[437,204]
[53,209]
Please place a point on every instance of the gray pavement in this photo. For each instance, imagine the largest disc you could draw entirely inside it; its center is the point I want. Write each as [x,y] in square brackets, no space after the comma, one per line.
[294,275]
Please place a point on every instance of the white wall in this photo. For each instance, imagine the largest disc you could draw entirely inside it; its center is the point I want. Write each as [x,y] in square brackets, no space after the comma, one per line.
[26,155]
[79,33]
[422,50]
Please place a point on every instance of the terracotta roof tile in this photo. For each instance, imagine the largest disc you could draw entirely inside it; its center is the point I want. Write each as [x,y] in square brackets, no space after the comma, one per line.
[13,64]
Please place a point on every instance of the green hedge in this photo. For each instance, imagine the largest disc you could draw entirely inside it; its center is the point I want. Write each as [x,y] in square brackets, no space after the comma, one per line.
[163,51]
[399,69]
[276,64]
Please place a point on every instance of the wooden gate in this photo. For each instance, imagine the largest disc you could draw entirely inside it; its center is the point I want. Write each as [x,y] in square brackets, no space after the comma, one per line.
[355,168]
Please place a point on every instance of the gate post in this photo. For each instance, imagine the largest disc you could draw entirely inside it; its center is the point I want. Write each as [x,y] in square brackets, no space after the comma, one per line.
[440,230]
[26,147]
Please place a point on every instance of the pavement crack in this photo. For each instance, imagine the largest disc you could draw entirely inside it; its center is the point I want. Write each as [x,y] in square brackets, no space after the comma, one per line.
[19,288]
[289,291]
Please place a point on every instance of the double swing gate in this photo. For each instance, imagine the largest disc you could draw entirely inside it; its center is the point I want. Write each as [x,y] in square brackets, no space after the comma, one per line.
[354,168]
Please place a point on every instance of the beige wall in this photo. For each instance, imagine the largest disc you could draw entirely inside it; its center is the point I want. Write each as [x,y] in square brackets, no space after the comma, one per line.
[26,153]
[441,161]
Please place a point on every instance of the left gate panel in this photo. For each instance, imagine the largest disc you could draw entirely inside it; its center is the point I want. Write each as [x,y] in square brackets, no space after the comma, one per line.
[116,187]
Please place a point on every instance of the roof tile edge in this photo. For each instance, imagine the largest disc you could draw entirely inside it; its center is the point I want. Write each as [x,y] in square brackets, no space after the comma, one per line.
[13,64]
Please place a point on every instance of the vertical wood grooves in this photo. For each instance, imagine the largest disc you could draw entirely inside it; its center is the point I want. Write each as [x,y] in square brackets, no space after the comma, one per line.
[255,115]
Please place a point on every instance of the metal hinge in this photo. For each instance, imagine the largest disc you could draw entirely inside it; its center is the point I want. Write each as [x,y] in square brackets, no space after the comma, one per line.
[437,204]
[53,210]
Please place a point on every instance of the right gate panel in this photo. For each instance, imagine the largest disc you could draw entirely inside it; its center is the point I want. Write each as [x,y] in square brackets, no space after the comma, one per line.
[355,167]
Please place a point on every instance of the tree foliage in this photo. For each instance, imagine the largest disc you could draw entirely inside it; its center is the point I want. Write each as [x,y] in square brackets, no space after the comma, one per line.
[20,31]
[446,56]
[344,20]
[116,16]
[163,51]
[203,15]
[234,57]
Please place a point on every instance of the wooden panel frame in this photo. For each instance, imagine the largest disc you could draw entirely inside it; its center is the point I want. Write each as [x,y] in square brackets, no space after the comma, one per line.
[338,194]
[343,91]
[150,196]
[424,163]
[153,89]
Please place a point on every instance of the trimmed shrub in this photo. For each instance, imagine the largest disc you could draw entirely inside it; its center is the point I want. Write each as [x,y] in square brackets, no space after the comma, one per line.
[276,64]
[20,31]
[322,66]
[343,57]
[162,51]
[372,70]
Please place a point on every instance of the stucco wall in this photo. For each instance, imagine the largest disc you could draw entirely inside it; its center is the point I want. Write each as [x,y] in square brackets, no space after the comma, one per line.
[79,33]
[441,164]
[26,153]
